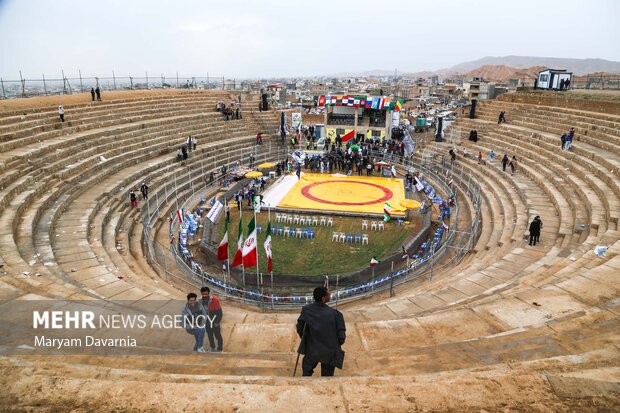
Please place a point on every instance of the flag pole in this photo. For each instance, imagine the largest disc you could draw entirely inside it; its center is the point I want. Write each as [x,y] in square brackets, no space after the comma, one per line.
[372,283]
[226,217]
[242,266]
[257,276]
[270,272]
[337,276]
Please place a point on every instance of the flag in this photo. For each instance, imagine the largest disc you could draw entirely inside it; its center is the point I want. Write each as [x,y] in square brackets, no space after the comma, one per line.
[180,215]
[393,171]
[375,103]
[368,102]
[386,104]
[322,100]
[373,262]
[238,260]
[328,100]
[399,105]
[387,212]
[267,246]
[249,247]
[356,102]
[222,249]
[256,203]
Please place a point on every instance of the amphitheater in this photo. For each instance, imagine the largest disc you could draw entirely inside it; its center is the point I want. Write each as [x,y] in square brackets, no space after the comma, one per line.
[510,328]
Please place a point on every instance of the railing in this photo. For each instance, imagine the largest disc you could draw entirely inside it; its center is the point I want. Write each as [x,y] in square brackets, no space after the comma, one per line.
[166,260]
[64,85]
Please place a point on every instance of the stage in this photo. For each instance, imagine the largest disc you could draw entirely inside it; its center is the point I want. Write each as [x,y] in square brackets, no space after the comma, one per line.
[322,193]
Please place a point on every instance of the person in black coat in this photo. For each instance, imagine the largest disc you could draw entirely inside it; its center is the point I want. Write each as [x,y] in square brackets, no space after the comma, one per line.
[322,332]
[92,93]
[535,228]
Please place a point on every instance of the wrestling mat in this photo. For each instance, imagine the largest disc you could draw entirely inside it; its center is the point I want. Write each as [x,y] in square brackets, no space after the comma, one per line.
[358,194]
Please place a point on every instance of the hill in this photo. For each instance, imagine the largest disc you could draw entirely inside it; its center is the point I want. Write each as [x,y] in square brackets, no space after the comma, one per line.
[577,66]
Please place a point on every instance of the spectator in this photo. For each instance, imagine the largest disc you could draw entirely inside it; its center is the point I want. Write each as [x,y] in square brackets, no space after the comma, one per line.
[535,228]
[502,117]
[513,165]
[92,94]
[193,320]
[213,310]
[61,113]
[133,198]
[144,189]
[322,331]
[98,93]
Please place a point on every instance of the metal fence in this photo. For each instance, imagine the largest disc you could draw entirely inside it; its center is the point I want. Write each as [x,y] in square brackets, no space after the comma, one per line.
[186,188]
[66,85]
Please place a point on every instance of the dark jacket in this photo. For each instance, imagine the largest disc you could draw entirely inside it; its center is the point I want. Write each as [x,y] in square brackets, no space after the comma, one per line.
[325,332]
[535,227]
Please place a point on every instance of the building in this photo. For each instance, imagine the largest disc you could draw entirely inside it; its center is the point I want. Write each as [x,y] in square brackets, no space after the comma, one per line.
[359,116]
[554,79]
[478,88]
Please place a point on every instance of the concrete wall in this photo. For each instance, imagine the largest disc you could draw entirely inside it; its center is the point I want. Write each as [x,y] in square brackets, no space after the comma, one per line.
[612,108]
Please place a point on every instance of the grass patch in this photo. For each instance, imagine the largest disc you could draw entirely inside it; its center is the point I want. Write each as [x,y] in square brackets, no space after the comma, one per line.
[319,256]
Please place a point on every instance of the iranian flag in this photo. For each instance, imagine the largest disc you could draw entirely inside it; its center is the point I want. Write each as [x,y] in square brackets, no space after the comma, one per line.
[387,212]
[393,171]
[238,260]
[249,247]
[180,215]
[373,262]
[222,249]
[267,246]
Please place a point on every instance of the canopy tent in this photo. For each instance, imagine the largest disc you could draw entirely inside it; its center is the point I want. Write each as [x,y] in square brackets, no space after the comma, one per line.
[254,174]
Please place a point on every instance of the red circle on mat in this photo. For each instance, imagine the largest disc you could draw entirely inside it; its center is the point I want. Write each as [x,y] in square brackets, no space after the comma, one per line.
[305,191]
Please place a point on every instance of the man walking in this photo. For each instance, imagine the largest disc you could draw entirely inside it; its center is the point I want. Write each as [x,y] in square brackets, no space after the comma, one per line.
[505,161]
[61,113]
[323,332]
[535,228]
[213,310]
[145,190]
[502,117]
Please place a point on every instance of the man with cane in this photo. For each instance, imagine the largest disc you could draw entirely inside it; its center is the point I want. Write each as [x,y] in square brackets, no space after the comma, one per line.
[322,332]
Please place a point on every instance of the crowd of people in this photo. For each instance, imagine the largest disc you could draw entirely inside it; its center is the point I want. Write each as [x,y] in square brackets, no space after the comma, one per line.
[184,150]
[230,111]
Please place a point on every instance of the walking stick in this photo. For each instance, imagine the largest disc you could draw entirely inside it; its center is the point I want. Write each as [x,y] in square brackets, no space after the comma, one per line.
[303,336]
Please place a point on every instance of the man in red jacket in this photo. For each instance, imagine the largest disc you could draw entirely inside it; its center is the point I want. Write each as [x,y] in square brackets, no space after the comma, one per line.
[213,327]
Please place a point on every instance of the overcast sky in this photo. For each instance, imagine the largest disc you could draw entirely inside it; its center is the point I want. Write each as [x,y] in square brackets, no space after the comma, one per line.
[268,38]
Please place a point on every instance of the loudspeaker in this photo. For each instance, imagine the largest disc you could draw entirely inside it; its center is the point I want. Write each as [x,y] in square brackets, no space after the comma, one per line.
[438,133]
[265,104]
[472,112]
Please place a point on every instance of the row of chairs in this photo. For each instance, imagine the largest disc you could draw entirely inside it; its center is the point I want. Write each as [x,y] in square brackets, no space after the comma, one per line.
[294,232]
[374,225]
[304,220]
[350,238]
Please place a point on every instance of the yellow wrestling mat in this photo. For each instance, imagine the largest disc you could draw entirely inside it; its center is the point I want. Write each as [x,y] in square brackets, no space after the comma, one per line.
[346,194]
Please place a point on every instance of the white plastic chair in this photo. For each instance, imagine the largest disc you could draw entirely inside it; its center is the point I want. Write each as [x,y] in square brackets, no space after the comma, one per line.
[364,239]
[365,224]
[373,225]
